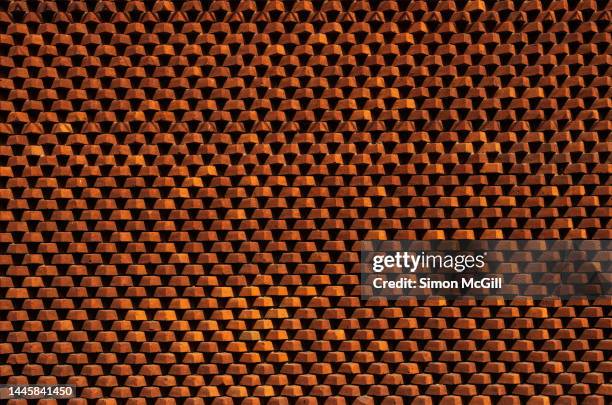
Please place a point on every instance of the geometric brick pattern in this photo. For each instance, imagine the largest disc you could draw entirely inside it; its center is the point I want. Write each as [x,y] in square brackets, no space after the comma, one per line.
[184,187]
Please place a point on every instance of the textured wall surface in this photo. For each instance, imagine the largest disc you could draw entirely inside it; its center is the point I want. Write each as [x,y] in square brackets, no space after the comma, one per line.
[184,187]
